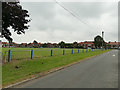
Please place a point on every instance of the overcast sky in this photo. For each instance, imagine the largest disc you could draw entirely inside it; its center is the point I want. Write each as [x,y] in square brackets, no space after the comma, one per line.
[52,23]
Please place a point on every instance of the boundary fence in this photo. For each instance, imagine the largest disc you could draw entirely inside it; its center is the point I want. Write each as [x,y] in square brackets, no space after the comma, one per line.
[10,55]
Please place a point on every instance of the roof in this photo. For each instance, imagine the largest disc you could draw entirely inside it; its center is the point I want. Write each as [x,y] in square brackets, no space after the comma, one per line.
[24,43]
[39,43]
[31,43]
[14,43]
[54,43]
[114,43]
[5,43]
[87,42]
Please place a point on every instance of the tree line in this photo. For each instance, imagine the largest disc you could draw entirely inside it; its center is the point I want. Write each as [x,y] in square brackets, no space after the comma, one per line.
[98,43]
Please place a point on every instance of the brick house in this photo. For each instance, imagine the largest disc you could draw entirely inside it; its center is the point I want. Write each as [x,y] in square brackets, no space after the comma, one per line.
[87,44]
[23,45]
[15,44]
[49,45]
[113,44]
[39,45]
[32,45]
[55,45]
[5,44]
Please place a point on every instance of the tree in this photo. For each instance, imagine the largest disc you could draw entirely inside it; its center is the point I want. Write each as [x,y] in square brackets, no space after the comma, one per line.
[99,42]
[75,44]
[109,46]
[62,44]
[35,42]
[13,16]
[44,45]
[68,45]
[36,45]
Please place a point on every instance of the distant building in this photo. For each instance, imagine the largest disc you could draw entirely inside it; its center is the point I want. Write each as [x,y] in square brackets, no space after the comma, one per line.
[23,45]
[30,45]
[49,45]
[55,45]
[87,44]
[5,44]
[113,44]
[34,45]
[39,44]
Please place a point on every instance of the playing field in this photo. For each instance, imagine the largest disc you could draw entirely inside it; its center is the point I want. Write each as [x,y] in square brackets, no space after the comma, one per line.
[25,53]
[42,61]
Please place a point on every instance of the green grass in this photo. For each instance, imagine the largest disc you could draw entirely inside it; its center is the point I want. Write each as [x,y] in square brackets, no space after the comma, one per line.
[25,53]
[29,67]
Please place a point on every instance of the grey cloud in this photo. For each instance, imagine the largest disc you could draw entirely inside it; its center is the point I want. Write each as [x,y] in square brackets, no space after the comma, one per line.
[51,23]
[90,9]
[38,9]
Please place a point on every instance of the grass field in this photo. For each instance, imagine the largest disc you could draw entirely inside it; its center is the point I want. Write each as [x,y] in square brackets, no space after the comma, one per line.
[28,68]
[25,53]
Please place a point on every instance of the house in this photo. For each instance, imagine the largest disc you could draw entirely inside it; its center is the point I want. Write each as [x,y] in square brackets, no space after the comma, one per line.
[87,44]
[23,45]
[5,44]
[113,44]
[30,45]
[34,45]
[55,45]
[49,45]
[39,45]
[15,45]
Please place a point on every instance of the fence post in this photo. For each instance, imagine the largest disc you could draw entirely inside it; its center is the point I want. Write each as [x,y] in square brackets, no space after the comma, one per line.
[9,56]
[72,51]
[83,50]
[63,52]
[89,50]
[5,56]
[51,52]
[31,54]
[78,50]
[92,49]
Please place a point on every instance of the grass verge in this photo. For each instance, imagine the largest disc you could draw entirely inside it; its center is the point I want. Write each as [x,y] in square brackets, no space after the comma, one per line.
[29,68]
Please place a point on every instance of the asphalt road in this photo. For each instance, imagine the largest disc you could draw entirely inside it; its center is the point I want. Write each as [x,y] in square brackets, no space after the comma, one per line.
[97,72]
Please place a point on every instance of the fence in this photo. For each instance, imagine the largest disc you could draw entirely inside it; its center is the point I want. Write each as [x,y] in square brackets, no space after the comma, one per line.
[12,55]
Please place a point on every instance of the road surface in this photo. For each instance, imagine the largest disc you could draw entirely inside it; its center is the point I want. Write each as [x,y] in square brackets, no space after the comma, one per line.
[97,72]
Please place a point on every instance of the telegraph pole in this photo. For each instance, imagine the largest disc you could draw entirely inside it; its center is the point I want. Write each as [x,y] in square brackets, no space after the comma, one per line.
[102,38]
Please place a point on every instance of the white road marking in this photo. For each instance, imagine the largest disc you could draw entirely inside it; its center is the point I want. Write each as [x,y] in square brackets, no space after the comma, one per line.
[113,55]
